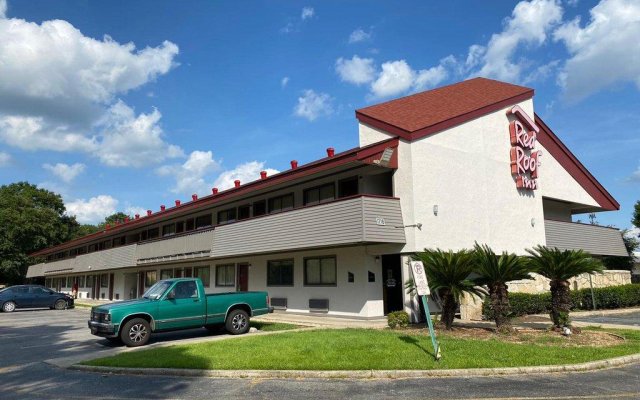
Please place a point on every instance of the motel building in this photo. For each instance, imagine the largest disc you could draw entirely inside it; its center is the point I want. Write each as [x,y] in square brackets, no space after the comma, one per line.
[443,168]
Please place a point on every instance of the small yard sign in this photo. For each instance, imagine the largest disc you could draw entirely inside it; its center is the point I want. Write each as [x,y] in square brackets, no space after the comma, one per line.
[422,287]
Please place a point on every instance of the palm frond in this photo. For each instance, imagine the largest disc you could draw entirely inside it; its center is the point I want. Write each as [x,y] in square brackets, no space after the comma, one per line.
[503,268]
[561,265]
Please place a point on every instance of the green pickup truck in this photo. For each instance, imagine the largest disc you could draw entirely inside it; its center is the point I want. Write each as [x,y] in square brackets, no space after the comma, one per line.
[174,304]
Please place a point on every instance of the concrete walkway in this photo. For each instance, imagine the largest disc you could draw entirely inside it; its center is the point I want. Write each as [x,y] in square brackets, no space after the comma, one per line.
[323,321]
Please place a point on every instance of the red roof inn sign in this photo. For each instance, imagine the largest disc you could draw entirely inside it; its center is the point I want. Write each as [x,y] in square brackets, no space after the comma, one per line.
[524,161]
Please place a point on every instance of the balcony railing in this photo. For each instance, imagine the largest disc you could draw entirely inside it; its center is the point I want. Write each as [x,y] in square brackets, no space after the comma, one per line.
[595,239]
[181,247]
[118,257]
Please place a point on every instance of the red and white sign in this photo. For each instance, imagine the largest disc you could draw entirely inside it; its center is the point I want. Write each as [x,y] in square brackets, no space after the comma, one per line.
[524,160]
[420,278]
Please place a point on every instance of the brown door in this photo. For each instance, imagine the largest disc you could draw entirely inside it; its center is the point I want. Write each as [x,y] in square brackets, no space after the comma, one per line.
[242,285]
[96,287]
[140,284]
[111,286]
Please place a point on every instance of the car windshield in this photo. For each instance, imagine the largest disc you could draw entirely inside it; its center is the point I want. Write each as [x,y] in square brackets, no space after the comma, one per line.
[157,290]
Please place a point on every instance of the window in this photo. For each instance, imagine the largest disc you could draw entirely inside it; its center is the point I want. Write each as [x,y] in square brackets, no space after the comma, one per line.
[38,290]
[244,212]
[259,208]
[81,281]
[320,194]
[177,273]
[189,224]
[185,290]
[150,278]
[166,274]
[133,238]
[280,273]
[153,233]
[143,235]
[169,229]
[225,275]
[281,203]
[69,282]
[320,271]
[180,227]
[91,249]
[89,281]
[119,241]
[226,216]
[348,187]
[203,274]
[104,280]
[203,221]
[81,250]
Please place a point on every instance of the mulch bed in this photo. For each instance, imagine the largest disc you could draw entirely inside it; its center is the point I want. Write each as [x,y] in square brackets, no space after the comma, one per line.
[526,336]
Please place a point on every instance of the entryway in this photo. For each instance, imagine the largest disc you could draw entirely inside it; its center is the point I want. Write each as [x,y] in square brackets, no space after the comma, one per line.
[392,285]
[242,277]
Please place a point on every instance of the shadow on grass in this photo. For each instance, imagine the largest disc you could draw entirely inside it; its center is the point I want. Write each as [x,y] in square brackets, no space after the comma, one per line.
[414,341]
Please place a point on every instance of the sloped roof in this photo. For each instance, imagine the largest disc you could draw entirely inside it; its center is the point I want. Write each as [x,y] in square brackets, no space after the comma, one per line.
[428,112]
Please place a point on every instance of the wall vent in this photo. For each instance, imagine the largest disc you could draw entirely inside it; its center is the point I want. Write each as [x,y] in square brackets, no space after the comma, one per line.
[279,303]
[319,305]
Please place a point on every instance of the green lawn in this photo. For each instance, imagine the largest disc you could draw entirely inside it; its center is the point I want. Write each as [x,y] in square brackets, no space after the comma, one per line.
[362,349]
[272,326]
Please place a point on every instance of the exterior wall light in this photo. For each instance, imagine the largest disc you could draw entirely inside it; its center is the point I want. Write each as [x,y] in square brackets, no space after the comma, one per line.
[435,210]
[533,222]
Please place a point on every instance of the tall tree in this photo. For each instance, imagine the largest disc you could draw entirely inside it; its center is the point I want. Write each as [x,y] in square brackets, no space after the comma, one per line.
[636,215]
[31,219]
[113,218]
[631,243]
[559,266]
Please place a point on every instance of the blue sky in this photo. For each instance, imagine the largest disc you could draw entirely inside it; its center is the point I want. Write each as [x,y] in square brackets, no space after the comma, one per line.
[125,105]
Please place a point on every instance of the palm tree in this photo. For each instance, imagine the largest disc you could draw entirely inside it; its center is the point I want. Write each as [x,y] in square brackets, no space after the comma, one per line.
[559,266]
[448,275]
[495,271]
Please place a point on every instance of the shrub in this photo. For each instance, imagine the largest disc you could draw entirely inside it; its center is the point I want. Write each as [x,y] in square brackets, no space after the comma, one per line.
[606,298]
[398,319]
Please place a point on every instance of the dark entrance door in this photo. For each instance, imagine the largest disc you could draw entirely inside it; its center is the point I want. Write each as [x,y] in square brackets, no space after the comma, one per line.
[392,283]
[111,278]
[243,277]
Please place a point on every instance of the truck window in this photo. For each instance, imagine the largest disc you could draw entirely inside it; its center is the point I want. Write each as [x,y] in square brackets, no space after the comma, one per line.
[186,290]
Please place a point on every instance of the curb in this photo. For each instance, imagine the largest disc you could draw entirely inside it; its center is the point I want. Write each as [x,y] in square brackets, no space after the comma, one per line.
[368,374]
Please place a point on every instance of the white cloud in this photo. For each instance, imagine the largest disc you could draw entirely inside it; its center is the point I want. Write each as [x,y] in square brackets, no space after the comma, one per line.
[190,176]
[62,83]
[359,35]
[604,52]
[284,82]
[5,159]
[130,140]
[356,70]
[307,12]
[428,78]
[92,211]
[246,173]
[65,172]
[3,8]
[311,105]
[133,210]
[396,77]
[530,23]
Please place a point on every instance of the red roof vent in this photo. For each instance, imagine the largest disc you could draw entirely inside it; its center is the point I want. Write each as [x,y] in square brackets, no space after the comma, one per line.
[162,207]
[149,212]
[294,164]
[214,190]
[126,219]
[177,203]
[236,183]
[263,174]
[137,216]
[331,152]
[194,197]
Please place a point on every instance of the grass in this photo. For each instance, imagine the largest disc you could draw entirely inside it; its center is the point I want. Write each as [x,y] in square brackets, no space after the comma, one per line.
[271,326]
[362,349]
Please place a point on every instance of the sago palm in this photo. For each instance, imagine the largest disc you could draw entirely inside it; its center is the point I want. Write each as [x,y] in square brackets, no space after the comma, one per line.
[559,266]
[448,274]
[495,271]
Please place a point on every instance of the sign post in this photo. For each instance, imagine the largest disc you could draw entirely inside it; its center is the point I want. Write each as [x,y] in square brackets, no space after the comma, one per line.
[422,287]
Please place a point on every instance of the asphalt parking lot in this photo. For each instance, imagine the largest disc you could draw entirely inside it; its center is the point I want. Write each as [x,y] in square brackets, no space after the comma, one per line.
[629,319]
[28,336]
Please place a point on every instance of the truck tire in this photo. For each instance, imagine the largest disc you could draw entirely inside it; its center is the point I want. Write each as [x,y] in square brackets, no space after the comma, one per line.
[135,332]
[237,322]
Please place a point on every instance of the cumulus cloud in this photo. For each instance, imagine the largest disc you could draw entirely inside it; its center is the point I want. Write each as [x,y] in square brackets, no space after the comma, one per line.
[359,35]
[92,211]
[356,70]
[3,8]
[246,172]
[284,82]
[529,24]
[307,12]
[397,77]
[603,52]
[191,176]
[5,159]
[132,140]
[312,105]
[63,83]
[65,172]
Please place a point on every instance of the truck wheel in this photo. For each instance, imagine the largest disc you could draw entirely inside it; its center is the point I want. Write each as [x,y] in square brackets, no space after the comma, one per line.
[135,332]
[237,322]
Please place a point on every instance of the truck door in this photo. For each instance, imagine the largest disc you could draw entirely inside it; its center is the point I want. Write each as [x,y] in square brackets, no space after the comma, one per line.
[182,307]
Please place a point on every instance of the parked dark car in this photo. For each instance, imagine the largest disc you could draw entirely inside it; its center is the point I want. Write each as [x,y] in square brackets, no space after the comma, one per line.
[33,296]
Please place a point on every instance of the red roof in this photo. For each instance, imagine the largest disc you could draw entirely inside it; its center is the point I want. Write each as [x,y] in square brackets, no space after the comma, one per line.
[432,111]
